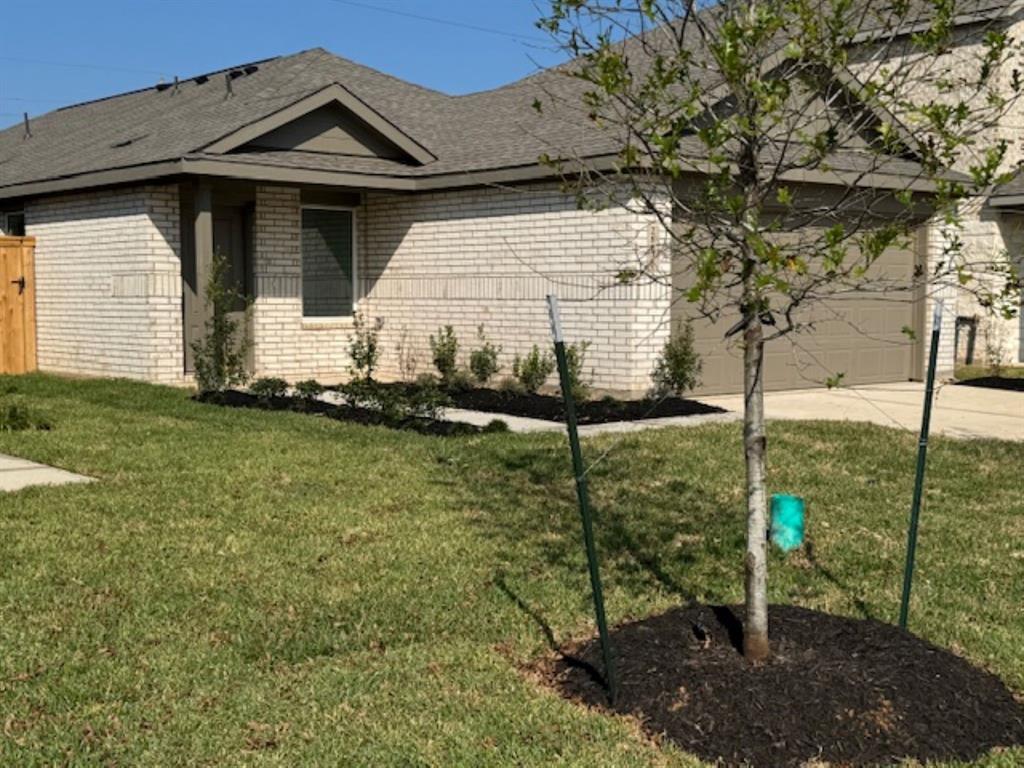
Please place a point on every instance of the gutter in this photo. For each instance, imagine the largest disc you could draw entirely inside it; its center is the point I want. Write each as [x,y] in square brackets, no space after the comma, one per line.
[227,168]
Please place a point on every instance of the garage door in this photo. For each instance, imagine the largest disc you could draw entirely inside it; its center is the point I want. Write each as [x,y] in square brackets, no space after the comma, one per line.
[860,336]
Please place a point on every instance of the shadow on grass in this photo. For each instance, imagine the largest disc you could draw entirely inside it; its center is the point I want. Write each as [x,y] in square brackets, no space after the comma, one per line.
[346,413]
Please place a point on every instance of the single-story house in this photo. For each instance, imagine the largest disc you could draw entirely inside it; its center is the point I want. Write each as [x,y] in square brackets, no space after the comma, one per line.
[334,188]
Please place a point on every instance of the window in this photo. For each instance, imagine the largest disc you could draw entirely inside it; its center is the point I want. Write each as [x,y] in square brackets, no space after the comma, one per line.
[12,224]
[328,262]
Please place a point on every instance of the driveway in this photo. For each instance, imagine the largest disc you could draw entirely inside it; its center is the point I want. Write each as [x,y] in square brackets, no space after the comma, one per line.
[960,411]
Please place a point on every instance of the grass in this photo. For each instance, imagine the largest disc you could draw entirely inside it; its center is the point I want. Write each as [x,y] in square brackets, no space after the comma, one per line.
[254,588]
[968,372]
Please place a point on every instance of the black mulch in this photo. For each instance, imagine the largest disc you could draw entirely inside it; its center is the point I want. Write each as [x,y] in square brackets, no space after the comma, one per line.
[995,382]
[838,690]
[366,416]
[598,411]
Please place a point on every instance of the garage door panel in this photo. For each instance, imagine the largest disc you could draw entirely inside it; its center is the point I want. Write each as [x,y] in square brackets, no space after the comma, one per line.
[859,335]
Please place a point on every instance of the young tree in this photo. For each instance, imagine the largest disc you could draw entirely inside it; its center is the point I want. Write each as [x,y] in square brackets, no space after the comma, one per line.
[783,146]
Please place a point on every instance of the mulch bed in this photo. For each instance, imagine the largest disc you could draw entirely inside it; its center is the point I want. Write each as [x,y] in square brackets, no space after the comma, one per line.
[599,411]
[995,382]
[844,691]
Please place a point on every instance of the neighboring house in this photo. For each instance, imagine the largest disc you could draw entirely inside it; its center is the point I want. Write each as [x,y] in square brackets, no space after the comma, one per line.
[335,188]
[994,224]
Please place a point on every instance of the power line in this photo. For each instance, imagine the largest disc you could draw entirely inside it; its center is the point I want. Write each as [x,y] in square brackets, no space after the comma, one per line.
[436,20]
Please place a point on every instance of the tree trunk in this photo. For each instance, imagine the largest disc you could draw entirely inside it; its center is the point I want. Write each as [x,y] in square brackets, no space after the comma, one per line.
[755,629]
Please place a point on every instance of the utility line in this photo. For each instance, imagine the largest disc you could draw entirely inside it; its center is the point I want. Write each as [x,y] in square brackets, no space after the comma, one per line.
[436,20]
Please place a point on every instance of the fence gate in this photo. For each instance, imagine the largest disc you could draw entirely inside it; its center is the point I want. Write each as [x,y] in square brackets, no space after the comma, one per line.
[17,305]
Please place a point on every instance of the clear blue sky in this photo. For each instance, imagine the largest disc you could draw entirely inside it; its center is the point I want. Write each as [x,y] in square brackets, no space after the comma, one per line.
[75,50]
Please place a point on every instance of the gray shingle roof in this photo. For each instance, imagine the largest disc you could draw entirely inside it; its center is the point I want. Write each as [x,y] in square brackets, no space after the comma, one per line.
[482,131]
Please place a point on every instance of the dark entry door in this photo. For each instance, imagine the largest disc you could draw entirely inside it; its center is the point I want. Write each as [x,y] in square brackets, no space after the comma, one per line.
[231,239]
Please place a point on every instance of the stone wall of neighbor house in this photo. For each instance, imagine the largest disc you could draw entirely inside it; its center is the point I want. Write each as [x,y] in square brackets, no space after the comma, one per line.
[108,283]
[467,258]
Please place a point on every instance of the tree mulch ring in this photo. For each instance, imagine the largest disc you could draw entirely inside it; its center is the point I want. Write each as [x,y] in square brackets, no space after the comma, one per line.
[842,691]
[596,411]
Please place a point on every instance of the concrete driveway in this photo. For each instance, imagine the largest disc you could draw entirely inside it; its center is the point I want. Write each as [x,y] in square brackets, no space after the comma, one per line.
[960,411]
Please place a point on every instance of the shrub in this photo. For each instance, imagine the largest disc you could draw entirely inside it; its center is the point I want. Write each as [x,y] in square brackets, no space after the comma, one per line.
[364,346]
[533,370]
[268,388]
[309,391]
[445,349]
[495,425]
[511,387]
[425,401]
[19,418]
[483,361]
[407,358]
[575,359]
[678,367]
[396,403]
[219,357]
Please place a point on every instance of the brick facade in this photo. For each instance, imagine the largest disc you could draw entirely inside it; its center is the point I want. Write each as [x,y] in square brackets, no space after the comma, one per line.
[466,258]
[108,283]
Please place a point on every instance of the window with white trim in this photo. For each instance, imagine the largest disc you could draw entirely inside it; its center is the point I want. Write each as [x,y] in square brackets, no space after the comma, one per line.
[328,262]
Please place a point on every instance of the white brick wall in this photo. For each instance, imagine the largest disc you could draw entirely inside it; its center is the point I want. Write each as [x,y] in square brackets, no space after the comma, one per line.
[108,283]
[483,256]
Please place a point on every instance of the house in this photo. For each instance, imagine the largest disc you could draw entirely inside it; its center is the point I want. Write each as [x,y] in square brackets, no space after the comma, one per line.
[334,188]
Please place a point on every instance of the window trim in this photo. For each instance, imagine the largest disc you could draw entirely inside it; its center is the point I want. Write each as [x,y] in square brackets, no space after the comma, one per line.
[332,319]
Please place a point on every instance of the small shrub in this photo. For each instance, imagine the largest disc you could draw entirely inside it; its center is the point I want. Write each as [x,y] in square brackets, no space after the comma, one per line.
[427,380]
[460,381]
[678,367]
[511,387]
[483,361]
[445,349]
[396,403]
[533,370]
[364,347]
[269,388]
[219,357]
[425,401]
[495,426]
[309,391]
[19,418]
[575,359]
[407,358]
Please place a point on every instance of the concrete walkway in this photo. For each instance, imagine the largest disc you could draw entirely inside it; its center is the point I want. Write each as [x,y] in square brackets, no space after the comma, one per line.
[16,474]
[959,411]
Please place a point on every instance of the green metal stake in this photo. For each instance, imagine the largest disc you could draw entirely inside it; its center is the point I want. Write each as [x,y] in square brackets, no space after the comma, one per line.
[922,457]
[583,495]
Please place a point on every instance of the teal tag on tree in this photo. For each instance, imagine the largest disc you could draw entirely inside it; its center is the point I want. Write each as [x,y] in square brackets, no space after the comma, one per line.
[787,529]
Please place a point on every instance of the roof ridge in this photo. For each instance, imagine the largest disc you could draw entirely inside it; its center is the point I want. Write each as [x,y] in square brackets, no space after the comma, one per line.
[209,74]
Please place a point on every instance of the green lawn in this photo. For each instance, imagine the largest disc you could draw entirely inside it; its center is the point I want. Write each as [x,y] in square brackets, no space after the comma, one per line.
[968,372]
[270,588]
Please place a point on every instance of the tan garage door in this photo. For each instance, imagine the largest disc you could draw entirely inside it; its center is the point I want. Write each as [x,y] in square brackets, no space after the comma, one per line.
[859,336]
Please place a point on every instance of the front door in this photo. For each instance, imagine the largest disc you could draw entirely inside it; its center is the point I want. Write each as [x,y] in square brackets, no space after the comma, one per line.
[232,240]
[17,305]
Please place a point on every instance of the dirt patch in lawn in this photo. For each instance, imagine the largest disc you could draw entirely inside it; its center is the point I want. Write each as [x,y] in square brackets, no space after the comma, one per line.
[837,690]
[598,411]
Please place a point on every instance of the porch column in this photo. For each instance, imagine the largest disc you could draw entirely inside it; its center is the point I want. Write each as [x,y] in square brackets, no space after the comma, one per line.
[197,260]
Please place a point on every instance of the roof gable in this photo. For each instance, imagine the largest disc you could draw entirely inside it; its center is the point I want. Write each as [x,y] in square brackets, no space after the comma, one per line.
[330,118]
